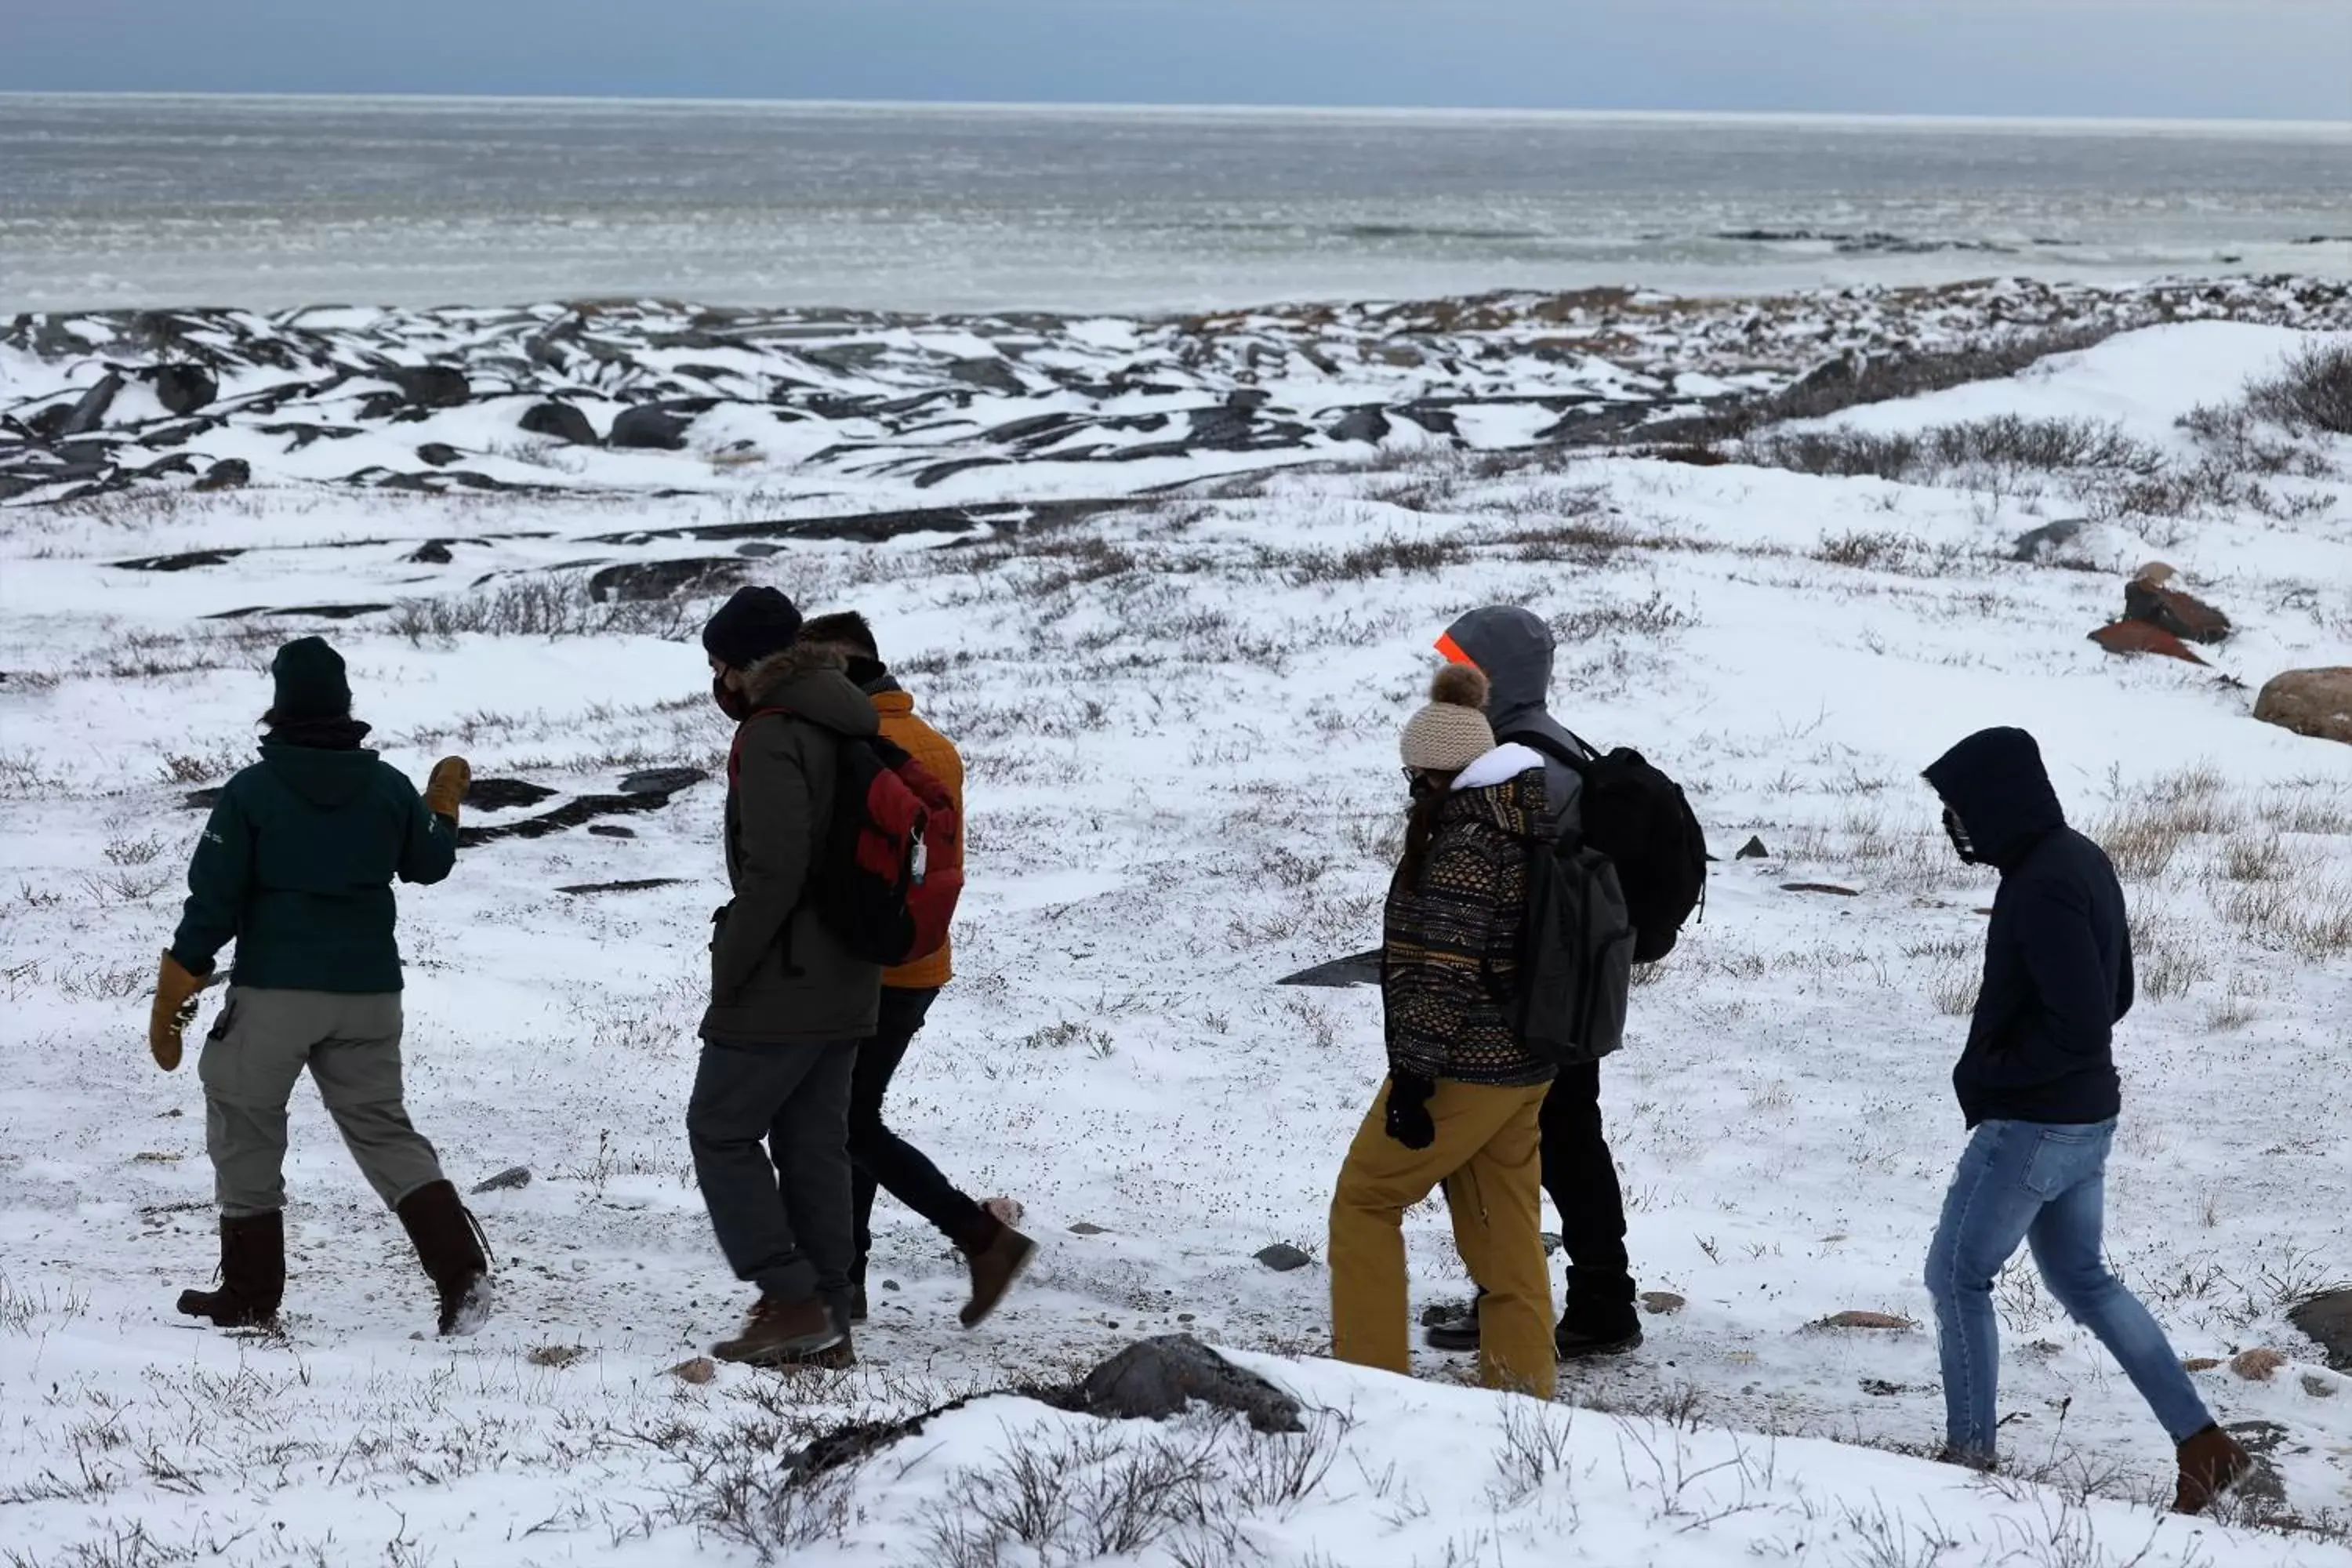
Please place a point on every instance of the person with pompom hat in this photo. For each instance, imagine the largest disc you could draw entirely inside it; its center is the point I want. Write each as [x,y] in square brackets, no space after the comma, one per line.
[1463,1093]
[295,866]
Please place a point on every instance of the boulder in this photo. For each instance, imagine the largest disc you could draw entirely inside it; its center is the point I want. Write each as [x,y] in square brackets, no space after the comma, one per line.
[512,1177]
[227,475]
[1753,849]
[1162,1376]
[2139,636]
[1864,1320]
[1282,1257]
[1367,424]
[2316,702]
[651,425]
[2327,1318]
[1661,1303]
[503,794]
[430,385]
[2031,545]
[560,420]
[437,454]
[185,388]
[2183,615]
[431,553]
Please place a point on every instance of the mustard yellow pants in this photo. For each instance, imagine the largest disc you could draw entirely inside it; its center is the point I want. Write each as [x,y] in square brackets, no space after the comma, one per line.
[1489,1155]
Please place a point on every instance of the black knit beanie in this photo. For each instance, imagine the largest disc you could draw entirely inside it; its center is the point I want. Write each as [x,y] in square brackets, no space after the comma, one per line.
[750,626]
[309,677]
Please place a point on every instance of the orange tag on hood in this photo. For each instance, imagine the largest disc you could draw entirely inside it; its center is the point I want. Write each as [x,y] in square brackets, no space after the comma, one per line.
[1452,653]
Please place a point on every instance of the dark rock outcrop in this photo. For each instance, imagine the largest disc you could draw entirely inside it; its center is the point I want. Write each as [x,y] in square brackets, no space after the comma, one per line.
[560,420]
[664,579]
[227,475]
[89,413]
[185,388]
[2327,1318]
[650,425]
[430,385]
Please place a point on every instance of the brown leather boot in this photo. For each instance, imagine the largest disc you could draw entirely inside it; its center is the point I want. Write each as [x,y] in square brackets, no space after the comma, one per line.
[448,1243]
[2211,1462]
[800,1332]
[252,1274]
[996,1253]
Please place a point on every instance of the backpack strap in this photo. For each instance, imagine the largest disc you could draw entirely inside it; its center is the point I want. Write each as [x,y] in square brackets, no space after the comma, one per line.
[1537,741]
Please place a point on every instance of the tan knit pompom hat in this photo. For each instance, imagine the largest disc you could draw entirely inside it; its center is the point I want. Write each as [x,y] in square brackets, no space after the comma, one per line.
[1452,732]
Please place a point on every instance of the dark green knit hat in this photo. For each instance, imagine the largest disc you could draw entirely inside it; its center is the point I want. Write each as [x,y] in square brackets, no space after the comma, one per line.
[309,680]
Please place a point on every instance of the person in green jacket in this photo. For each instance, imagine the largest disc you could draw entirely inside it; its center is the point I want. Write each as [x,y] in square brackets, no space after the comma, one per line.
[295,866]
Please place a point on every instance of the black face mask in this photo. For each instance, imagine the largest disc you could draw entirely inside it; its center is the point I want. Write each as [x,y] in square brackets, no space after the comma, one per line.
[1418,785]
[1957,832]
[731,702]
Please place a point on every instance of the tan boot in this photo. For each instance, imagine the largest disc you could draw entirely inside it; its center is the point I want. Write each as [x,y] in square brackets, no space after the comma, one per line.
[781,1332]
[997,1255]
[2211,1462]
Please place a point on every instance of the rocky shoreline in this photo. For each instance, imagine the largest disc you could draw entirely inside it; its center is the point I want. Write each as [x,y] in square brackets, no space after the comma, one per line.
[655,397]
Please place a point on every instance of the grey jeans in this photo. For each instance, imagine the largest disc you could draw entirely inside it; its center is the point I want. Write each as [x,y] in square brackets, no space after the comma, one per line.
[258,1047]
[782,1212]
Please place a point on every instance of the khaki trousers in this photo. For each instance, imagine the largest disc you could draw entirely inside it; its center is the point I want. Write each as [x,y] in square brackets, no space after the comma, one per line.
[1489,1155]
[351,1044]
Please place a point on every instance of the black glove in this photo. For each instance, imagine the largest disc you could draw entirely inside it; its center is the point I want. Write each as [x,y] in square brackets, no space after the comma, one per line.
[1409,1120]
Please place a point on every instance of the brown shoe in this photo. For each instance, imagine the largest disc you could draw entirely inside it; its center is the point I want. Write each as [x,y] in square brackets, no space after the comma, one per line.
[2211,1462]
[996,1255]
[780,1333]
[448,1244]
[252,1274]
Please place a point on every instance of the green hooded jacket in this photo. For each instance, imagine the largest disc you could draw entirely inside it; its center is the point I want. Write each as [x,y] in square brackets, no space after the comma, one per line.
[297,866]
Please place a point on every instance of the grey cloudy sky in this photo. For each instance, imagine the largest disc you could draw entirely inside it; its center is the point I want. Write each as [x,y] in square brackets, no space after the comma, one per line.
[2257,59]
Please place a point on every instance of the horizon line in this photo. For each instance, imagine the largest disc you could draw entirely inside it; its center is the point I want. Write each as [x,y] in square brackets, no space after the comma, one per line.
[1302,110]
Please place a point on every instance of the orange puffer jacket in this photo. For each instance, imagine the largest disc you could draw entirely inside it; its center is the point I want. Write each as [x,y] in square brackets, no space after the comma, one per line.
[911,734]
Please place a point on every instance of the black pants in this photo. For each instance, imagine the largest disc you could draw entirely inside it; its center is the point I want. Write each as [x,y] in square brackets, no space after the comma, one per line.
[781,1213]
[1580,1175]
[879,1157]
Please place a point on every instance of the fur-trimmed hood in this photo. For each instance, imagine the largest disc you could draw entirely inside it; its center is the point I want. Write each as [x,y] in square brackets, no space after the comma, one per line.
[808,681]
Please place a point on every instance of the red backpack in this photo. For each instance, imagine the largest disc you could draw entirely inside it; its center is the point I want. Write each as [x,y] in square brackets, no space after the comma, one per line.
[873,882]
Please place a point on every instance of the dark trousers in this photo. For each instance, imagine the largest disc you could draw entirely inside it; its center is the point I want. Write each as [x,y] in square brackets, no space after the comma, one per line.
[782,1212]
[1580,1175]
[880,1158]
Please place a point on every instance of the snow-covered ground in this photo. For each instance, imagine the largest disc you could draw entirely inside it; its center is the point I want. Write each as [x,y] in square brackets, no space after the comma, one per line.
[1179,714]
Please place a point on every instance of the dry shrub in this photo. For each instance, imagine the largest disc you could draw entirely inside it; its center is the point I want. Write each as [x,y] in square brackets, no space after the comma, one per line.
[2322,808]
[2141,840]
[2307,915]
[2314,390]
[1952,987]
[2169,956]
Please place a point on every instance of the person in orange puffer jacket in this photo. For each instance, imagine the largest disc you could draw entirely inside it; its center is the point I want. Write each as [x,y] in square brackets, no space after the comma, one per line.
[994,1252]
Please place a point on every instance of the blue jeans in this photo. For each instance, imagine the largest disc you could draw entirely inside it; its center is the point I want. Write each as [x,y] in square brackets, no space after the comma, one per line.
[2044,1186]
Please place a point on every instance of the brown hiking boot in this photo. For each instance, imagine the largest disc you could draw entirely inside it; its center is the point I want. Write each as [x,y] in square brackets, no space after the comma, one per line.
[2211,1462]
[996,1255]
[780,1333]
[252,1274]
[448,1243]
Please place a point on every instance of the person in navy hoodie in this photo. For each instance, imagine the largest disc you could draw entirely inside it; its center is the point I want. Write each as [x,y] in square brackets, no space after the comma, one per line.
[2037,1082]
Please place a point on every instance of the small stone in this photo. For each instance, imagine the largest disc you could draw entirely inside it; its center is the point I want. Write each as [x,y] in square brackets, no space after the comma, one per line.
[1853,1319]
[611,830]
[700,1370]
[661,781]
[513,1176]
[1282,1257]
[1753,849]
[1661,1303]
[1088,1227]
[1831,888]
[2199,1363]
[2318,1385]
[556,1355]
[1183,1317]
[2256,1365]
[891,1285]
[1550,1239]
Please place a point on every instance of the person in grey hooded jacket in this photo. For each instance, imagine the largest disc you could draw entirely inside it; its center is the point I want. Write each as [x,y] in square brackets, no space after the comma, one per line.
[1513,647]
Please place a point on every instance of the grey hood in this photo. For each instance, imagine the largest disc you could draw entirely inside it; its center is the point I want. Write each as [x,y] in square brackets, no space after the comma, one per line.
[1512,647]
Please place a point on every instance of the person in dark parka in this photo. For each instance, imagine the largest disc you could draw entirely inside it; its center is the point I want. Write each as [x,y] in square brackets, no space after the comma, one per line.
[768,1120]
[2037,1083]
[296,866]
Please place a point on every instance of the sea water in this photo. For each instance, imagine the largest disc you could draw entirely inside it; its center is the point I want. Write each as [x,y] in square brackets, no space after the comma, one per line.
[273,202]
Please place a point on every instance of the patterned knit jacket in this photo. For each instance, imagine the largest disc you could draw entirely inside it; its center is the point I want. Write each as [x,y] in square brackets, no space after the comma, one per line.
[1451,946]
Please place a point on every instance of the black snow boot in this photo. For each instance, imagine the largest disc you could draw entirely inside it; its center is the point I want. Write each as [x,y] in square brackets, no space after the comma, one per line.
[1452,1327]
[448,1243]
[252,1274]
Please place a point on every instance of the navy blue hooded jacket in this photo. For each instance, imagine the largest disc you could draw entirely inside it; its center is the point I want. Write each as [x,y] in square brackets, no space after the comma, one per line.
[2058,967]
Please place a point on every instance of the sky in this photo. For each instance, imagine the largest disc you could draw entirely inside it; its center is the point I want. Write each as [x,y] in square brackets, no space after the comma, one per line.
[2162,58]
